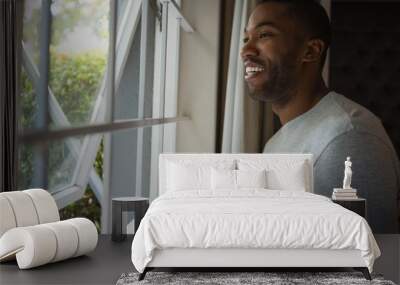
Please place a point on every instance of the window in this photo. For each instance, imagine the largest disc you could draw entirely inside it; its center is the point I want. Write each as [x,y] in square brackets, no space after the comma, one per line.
[95,67]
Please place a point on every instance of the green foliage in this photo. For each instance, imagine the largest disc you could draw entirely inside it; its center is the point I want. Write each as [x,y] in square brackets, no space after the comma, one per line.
[28,106]
[87,207]
[74,81]
[98,163]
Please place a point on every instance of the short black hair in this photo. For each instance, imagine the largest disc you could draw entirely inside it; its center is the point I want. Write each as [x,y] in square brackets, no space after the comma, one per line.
[313,16]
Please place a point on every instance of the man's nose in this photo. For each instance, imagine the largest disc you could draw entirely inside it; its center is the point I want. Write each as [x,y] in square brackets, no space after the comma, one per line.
[248,50]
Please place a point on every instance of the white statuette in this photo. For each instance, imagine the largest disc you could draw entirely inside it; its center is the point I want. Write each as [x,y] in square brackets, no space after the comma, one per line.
[347,174]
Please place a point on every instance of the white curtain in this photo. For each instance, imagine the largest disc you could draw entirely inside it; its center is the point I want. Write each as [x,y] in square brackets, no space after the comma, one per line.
[233,140]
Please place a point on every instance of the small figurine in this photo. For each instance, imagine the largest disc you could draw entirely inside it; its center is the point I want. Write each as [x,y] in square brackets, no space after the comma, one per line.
[347,174]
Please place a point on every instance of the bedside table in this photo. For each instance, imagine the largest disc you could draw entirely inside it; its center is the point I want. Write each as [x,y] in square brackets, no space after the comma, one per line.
[358,206]
[138,205]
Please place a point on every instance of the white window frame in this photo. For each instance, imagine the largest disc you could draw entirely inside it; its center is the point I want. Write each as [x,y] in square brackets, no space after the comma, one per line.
[166,58]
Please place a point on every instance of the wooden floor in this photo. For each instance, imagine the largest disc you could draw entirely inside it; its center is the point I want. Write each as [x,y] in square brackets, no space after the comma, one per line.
[110,260]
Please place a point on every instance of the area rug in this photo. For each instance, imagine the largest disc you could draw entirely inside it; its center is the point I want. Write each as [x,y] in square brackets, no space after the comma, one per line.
[244,278]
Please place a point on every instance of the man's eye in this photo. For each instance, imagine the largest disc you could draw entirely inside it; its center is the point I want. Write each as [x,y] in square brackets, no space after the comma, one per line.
[265,35]
[245,40]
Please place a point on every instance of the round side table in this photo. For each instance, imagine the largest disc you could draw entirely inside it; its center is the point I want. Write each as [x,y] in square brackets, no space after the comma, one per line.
[138,205]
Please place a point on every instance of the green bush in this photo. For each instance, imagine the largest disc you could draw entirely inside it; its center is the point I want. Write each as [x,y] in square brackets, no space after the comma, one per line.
[75,82]
[87,207]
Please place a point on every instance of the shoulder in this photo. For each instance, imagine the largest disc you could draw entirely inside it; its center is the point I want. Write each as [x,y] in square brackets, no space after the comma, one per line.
[357,116]
[365,148]
[356,127]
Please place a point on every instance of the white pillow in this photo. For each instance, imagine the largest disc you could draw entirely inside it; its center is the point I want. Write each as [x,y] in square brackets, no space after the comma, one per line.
[236,179]
[223,179]
[251,178]
[190,174]
[282,174]
[295,179]
[185,177]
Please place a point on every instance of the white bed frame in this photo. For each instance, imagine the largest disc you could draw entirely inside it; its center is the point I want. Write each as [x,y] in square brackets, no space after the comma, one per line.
[234,257]
[251,258]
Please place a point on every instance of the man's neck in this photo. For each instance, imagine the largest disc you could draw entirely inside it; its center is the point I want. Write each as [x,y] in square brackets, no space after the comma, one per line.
[300,102]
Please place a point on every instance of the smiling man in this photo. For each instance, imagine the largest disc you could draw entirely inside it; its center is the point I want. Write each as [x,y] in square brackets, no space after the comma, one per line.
[284,51]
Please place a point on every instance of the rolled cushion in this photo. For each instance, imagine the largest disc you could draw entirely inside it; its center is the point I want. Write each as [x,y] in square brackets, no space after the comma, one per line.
[26,208]
[66,238]
[87,235]
[46,207]
[23,208]
[7,218]
[33,246]
[40,244]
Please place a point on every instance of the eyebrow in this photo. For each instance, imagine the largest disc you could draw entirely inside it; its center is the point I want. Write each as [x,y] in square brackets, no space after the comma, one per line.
[265,23]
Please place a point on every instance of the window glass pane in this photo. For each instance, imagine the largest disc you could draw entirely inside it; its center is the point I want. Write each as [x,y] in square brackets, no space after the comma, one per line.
[128,103]
[31,28]
[89,205]
[61,163]
[151,153]
[25,167]
[62,160]
[86,207]
[27,102]
[122,6]
[79,45]
[134,159]
[126,99]
[78,55]
[155,140]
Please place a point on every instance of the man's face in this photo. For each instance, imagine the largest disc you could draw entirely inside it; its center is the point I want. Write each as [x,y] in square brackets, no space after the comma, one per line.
[271,53]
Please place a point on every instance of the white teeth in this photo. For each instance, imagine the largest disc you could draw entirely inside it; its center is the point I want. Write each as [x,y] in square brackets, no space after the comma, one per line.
[252,69]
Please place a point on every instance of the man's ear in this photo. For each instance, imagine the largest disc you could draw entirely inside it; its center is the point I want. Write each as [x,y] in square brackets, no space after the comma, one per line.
[314,50]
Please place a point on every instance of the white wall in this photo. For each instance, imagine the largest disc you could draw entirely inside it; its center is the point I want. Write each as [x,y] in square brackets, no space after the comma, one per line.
[197,88]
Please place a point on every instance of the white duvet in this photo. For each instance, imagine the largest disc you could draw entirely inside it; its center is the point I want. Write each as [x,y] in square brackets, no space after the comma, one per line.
[251,218]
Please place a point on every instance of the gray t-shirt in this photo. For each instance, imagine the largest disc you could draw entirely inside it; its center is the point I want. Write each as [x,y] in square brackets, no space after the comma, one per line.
[333,129]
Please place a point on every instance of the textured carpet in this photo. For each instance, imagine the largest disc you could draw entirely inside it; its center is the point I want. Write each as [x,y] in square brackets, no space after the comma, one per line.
[243,278]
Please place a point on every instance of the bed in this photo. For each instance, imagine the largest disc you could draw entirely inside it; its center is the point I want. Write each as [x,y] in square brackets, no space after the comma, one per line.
[247,210]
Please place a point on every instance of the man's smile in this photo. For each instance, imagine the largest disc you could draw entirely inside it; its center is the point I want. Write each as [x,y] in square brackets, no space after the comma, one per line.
[252,69]
[252,72]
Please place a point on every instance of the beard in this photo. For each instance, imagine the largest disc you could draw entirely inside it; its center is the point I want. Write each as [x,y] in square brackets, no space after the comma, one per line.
[279,84]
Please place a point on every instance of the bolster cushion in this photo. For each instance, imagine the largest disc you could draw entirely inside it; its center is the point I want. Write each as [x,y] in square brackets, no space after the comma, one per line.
[40,244]
[26,208]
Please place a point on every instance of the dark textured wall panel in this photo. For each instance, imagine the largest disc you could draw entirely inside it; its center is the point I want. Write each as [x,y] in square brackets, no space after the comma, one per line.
[365,58]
